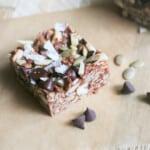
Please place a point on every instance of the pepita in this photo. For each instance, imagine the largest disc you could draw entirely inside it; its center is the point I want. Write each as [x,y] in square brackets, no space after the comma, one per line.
[129,73]
[137,64]
[119,60]
[81,68]
[78,61]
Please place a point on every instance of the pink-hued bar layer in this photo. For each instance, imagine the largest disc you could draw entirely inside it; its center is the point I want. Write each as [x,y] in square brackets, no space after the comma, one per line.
[59,67]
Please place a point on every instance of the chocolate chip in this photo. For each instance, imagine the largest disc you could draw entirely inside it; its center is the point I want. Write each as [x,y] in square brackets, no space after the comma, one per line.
[72,74]
[83,41]
[48,85]
[90,115]
[37,73]
[25,71]
[128,88]
[90,53]
[79,122]
[148,95]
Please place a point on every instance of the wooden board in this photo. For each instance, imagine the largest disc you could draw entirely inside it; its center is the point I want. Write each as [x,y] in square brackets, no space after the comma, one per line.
[120,119]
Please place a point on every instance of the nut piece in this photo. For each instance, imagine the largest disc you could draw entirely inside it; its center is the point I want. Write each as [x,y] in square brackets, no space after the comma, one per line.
[137,64]
[119,59]
[129,73]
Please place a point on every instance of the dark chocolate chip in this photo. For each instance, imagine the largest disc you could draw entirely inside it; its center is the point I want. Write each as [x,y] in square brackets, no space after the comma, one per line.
[128,88]
[25,71]
[90,53]
[37,73]
[79,122]
[83,41]
[48,85]
[90,115]
[72,74]
[148,95]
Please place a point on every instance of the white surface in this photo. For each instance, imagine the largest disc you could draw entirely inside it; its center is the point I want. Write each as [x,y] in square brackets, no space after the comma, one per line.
[18,8]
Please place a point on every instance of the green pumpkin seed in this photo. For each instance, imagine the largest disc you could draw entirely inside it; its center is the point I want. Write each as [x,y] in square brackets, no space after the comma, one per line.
[129,73]
[78,61]
[119,60]
[137,64]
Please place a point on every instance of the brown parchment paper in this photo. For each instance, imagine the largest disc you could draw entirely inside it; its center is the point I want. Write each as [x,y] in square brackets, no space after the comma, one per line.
[24,125]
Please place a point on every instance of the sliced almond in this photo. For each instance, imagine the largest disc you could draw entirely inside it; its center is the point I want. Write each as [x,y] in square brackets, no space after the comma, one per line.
[78,61]
[137,64]
[23,42]
[18,55]
[85,52]
[20,61]
[81,68]
[43,62]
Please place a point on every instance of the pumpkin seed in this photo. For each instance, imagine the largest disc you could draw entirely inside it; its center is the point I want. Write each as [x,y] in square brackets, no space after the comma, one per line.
[78,61]
[137,64]
[81,68]
[119,60]
[129,73]
[66,53]
[97,57]
[85,52]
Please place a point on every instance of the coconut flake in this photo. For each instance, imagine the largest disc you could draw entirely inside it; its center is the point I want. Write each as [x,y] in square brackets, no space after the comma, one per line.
[60,26]
[61,69]
[44,78]
[83,89]
[51,51]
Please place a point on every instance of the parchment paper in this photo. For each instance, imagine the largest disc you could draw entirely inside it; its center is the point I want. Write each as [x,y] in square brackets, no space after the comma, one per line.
[24,125]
